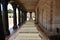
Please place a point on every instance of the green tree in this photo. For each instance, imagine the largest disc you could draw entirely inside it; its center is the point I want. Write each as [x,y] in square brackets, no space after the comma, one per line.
[10,11]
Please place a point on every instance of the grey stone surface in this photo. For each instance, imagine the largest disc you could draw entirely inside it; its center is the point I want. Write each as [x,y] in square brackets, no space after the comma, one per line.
[27,32]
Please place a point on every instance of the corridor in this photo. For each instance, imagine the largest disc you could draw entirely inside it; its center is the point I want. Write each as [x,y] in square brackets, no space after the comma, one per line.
[15,13]
[28,31]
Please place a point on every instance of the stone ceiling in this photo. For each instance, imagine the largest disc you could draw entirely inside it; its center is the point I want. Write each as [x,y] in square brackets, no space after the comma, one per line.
[29,4]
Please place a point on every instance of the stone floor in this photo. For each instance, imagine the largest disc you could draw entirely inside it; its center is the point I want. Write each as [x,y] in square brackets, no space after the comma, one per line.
[27,31]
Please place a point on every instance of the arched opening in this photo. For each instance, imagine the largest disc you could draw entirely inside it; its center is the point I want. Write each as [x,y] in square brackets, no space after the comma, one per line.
[10,16]
[28,16]
[33,15]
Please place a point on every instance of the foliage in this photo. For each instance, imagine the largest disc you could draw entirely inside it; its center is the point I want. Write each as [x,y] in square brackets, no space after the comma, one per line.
[10,11]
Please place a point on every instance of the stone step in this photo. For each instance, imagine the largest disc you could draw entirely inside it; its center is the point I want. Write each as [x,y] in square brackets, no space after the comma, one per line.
[27,32]
[28,28]
[27,36]
[26,39]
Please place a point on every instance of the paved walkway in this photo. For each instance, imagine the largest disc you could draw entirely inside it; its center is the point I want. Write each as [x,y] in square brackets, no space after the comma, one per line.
[27,32]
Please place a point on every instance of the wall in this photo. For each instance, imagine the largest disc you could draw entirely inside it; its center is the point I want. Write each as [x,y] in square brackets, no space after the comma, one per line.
[49,13]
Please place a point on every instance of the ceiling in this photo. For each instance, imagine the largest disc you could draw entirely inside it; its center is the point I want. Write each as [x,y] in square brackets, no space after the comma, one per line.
[29,4]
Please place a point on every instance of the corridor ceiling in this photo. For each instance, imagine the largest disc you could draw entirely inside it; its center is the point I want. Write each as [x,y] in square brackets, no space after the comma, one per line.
[29,4]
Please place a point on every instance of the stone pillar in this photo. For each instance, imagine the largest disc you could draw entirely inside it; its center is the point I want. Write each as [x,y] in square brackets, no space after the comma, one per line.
[19,23]
[25,16]
[30,15]
[5,17]
[22,17]
[2,37]
[35,17]
[14,17]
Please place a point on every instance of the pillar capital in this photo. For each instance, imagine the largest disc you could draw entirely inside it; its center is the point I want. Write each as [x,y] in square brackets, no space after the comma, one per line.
[14,5]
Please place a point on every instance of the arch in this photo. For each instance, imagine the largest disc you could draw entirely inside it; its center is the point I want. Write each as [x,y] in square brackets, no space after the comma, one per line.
[33,15]
[10,15]
[10,6]
[28,16]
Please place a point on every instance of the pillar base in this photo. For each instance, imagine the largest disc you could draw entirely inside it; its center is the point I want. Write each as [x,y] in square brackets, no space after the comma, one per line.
[15,27]
[19,24]
[7,33]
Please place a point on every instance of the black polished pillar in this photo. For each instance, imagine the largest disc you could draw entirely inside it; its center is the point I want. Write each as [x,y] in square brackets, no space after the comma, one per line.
[14,16]
[19,23]
[2,37]
[5,18]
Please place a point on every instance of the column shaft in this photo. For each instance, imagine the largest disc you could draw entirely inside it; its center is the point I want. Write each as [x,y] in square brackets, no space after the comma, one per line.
[5,19]
[19,17]
[22,17]
[2,37]
[25,16]
[30,15]
[14,17]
